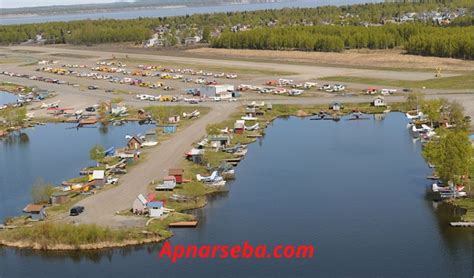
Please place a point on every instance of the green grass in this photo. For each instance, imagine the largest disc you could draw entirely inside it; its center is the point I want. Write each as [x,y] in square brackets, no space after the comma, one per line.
[458,82]
[468,204]
[49,234]
[213,68]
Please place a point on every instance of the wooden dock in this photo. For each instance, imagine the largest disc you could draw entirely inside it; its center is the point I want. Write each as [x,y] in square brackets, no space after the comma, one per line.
[183,224]
[461,224]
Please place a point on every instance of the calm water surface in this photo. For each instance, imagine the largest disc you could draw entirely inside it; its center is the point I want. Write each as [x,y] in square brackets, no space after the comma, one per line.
[6,98]
[54,152]
[180,11]
[353,189]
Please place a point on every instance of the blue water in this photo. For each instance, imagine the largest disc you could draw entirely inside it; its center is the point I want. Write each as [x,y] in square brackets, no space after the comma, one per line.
[353,189]
[165,12]
[54,152]
[7,98]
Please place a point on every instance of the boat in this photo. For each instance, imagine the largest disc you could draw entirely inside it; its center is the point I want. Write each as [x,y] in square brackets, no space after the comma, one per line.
[414,115]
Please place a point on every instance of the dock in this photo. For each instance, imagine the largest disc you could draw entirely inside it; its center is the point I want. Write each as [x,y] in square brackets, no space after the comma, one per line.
[254,135]
[183,224]
[89,121]
[461,224]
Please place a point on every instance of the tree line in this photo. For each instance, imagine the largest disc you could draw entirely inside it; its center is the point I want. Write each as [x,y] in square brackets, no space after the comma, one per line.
[419,39]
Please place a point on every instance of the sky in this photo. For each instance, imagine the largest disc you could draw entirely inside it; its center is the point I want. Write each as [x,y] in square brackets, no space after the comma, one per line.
[5,4]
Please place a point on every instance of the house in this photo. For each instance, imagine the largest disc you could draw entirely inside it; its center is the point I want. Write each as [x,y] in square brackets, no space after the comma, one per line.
[168,129]
[169,183]
[155,208]
[177,173]
[379,102]
[216,90]
[58,198]
[195,155]
[98,176]
[336,106]
[134,143]
[139,205]
[239,126]
[36,212]
[219,141]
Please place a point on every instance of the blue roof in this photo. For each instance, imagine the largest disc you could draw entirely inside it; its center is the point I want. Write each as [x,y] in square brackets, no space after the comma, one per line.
[155,204]
[471,136]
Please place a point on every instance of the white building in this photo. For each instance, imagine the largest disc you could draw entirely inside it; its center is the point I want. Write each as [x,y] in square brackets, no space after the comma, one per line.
[155,208]
[379,102]
[222,91]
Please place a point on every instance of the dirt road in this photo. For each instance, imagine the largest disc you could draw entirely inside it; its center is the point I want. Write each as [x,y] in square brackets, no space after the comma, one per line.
[101,208]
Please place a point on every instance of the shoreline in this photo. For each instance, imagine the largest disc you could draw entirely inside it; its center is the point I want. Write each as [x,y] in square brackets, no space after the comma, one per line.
[300,111]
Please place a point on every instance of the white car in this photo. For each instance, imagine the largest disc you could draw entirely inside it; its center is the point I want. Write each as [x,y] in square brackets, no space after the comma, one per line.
[326,87]
[338,88]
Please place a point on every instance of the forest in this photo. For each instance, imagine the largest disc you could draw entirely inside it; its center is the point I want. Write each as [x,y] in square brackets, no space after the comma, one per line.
[418,39]
[327,28]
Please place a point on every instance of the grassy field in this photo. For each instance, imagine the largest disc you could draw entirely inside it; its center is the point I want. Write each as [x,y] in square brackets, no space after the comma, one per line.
[468,204]
[459,82]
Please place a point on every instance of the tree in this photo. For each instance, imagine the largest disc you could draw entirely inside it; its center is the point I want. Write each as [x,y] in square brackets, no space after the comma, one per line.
[432,109]
[206,34]
[414,100]
[41,191]
[97,153]
[452,154]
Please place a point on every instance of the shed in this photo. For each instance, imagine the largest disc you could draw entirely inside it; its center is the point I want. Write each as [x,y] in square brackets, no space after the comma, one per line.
[379,102]
[168,129]
[239,126]
[155,208]
[134,143]
[58,198]
[36,212]
[98,176]
[139,205]
[174,119]
[336,106]
[177,173]
[150,135]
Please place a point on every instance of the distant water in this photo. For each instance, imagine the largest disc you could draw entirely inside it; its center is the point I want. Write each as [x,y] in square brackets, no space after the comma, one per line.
[180,11]
[54,152]
[353,189]
[6,98]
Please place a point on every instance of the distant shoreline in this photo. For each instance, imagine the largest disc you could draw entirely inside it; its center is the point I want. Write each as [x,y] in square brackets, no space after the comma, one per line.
[99,10]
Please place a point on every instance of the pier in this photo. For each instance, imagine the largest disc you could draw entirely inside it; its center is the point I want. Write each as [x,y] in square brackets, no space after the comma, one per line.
[462,224]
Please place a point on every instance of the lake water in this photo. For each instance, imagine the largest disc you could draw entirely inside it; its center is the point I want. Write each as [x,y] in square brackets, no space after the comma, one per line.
[54,152]
[6,98]
[353,189]
[179,11]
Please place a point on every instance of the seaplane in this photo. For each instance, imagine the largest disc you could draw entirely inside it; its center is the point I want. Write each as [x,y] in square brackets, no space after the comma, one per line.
[254,127]
[413,115]
[193,114]
[213,179]
[50,105]
[295,92]
[225,130]
[249,118]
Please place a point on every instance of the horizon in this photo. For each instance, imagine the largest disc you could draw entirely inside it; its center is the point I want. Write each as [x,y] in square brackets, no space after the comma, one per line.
[4,4]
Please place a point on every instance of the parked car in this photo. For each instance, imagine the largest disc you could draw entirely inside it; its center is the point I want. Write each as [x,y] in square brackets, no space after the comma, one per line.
[76,210]
[90,109]
[92,87]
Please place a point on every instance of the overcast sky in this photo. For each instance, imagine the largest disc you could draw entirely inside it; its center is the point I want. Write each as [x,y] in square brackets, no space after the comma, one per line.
[32,3]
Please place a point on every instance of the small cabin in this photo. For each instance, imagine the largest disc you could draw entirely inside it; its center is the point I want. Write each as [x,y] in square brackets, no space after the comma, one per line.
[195,155]
[98,176]
[36,212]
[177,173]
[134,143]
[219,141]
[379,102]
[139,205]
[239,126]
[155,208]
[59,198]
[336,106]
